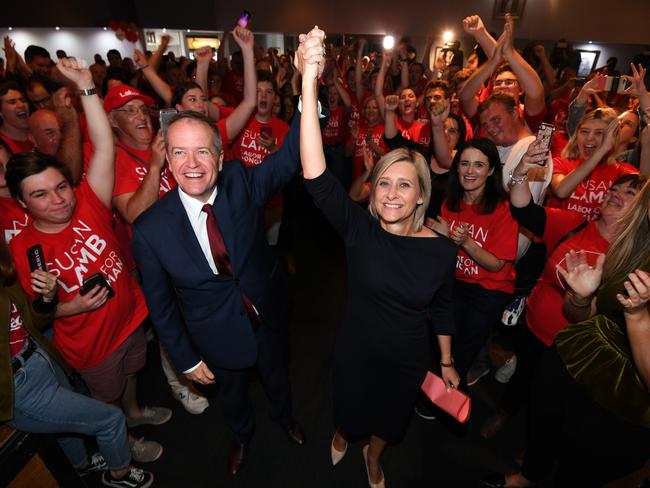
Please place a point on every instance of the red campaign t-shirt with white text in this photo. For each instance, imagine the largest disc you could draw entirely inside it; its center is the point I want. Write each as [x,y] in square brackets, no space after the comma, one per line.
[17,333]
[13,218]
[497,233]
[130,171]
[334,131]
[377,136]
[87,246]
[246,148]
[588,196]
[544,310]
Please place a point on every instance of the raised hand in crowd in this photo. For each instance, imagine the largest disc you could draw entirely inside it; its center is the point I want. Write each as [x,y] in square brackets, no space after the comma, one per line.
[591,88]
[583,278]
[637,86]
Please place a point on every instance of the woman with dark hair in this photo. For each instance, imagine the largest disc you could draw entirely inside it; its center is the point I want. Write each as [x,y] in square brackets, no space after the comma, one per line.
[35,394]
[475,215]
[399,272]
[188,95]
[589,405]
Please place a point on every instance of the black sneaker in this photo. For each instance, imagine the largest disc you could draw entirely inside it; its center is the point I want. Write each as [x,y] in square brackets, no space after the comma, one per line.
[95,463]
[137,478]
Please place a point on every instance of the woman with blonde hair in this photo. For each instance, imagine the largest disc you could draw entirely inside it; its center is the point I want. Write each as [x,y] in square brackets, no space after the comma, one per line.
[590,407]
[587,168]
[398,272]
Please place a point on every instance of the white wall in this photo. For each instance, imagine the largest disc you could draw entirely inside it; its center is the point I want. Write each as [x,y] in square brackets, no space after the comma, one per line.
[85,42]
[78,42]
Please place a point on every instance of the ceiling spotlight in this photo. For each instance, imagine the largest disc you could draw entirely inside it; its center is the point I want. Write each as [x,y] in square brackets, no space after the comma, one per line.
[164,29]
[188,30]
[11,28]
[590,42]
[389,42]
[58,28]
[105,28]
[447,36]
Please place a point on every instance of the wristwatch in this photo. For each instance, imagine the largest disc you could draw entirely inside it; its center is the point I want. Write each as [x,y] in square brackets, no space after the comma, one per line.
[86,92]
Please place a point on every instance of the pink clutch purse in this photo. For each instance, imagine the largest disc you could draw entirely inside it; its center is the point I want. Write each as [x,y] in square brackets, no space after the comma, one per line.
[454,402]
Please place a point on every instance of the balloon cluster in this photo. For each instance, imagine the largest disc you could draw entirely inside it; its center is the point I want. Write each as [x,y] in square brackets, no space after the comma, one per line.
[124,30]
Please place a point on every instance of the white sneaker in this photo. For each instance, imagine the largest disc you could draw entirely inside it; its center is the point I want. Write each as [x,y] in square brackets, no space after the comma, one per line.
[505,372]
[193,402]
[145,451]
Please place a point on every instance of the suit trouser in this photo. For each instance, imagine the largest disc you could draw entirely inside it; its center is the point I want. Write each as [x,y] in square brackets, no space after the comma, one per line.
[272,365]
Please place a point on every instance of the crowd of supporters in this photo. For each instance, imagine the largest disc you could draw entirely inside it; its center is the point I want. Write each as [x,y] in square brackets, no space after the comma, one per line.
[534,175]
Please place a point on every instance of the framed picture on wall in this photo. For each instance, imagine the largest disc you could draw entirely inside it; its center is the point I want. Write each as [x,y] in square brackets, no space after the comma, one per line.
[513,7]
[588,60]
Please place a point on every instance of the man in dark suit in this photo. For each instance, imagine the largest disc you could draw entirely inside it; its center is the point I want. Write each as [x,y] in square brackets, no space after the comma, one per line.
[219,312]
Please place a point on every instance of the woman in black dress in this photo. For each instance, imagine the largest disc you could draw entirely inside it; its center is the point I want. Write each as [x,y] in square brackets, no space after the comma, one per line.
[399,273]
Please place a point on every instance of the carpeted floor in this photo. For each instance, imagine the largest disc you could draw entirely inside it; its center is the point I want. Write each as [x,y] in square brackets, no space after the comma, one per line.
[434,453]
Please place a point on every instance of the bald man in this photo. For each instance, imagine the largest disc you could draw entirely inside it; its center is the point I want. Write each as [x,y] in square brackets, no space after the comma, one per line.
[58,134]
[45,132]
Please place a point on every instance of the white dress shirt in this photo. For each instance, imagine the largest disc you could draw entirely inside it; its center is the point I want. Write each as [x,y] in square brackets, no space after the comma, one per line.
[198,219]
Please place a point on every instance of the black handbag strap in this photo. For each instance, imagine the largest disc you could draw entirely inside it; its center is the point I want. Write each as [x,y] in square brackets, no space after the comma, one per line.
[134,156]
[568,235]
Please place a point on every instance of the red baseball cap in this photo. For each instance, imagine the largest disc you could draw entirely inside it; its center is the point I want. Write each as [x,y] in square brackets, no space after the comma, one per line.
[121,94]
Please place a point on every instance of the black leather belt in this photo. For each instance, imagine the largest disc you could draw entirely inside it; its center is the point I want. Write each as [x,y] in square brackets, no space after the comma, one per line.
[19,360]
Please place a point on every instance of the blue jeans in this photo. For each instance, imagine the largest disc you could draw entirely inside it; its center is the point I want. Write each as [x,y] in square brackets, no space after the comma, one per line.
[44,403]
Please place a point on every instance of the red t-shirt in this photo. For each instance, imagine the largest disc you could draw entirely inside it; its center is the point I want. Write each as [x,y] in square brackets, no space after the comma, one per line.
[87,246]
[224,113]
[497,233]
[17,333]
[544,309]
[130,171]
[246,148]
[17,146]
[558,142]
[411,130]
[588,196]
[377,135]
[334,132]
[13,218]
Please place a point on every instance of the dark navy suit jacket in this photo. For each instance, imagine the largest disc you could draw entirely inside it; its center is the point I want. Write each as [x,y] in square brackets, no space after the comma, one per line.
[200,315]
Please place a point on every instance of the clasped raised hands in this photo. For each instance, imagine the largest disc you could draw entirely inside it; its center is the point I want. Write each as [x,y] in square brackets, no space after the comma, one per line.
[310,56]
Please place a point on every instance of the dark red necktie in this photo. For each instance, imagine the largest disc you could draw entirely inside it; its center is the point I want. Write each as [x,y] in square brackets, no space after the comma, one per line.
[222,260]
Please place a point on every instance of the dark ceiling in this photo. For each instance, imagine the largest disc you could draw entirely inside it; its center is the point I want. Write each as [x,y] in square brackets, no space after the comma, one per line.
[623,22]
